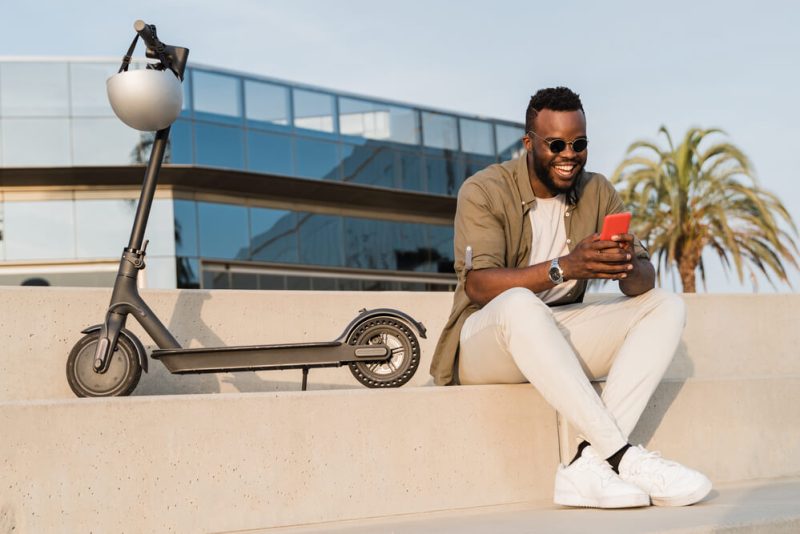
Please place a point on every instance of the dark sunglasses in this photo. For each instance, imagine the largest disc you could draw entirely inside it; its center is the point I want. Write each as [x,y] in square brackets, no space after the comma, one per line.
[578,144]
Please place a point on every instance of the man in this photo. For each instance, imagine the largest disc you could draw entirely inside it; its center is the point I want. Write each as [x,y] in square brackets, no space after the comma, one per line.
[526,244]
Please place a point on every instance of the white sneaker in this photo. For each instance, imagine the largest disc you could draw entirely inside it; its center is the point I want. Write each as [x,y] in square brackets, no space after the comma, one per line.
[668,483]
[590,482]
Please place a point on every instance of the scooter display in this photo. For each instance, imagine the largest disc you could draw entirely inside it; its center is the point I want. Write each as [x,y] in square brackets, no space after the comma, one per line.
[380,346]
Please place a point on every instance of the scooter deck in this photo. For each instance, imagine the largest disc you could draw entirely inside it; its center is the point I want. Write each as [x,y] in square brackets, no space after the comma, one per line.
[269,357]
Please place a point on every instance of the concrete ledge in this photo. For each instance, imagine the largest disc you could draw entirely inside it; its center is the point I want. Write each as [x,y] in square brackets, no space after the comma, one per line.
[241,461]
[727,336]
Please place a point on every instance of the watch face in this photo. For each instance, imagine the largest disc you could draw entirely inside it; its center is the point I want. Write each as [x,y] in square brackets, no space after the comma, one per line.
[555,274]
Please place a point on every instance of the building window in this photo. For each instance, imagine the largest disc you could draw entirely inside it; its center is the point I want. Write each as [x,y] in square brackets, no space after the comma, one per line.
[107,141]
[273,235]
[88,89]
[374,120]
[24,238]
[269,153]
[320,239]
[439,131]
[34,90]
[370,163]
[223,231]
[476,137]
[216,96]
[509,141]
[313,111]
[219,146]
[185,214]
[36,142]
[266,104]
[316,159]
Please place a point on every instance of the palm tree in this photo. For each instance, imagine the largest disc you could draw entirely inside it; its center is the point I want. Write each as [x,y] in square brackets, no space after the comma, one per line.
[688,197]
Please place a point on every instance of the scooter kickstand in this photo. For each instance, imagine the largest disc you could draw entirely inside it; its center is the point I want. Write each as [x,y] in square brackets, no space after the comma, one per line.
[305,378]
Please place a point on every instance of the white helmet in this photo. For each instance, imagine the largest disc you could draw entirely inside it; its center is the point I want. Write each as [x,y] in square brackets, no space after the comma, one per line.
[147,99]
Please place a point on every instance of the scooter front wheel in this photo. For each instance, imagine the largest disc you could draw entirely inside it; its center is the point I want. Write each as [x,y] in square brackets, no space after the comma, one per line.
[402,343]
[121,377]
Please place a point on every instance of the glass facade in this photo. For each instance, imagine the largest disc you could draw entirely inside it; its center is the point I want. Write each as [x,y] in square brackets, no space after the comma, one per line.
[56,114]
[337,245]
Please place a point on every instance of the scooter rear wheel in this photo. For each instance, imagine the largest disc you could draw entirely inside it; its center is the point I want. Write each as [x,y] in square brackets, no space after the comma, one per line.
[121,377]
[402,343]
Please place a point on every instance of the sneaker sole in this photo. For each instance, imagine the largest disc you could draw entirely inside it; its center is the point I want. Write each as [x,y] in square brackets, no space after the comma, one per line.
[577,501]
[684,500]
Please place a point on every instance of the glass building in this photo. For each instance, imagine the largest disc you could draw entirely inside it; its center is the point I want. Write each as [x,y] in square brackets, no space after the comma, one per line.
[267,184]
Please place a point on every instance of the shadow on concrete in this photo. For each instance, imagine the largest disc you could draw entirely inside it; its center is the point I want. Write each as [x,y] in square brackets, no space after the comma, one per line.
[666,393]
[251,382]
[187,325]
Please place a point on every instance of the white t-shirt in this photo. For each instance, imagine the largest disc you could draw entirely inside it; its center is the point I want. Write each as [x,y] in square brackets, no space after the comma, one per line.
[549,239]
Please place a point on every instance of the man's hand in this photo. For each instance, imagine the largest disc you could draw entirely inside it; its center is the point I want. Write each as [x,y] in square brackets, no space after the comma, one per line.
[594,258]
[642,277]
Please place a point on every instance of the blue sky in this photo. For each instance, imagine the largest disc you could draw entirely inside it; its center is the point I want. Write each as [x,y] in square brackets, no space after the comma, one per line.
[637,64]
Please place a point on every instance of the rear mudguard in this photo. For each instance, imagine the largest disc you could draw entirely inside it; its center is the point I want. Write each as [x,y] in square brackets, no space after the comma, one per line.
[133,339]
[365,314]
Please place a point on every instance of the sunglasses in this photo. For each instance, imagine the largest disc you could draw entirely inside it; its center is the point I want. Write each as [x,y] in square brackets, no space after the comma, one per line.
[578,144]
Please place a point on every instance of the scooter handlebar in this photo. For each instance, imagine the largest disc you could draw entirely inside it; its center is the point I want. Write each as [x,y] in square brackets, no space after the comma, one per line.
[148,34]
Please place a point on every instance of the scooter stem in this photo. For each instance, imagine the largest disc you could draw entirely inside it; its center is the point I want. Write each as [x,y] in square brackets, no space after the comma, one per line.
[148,190]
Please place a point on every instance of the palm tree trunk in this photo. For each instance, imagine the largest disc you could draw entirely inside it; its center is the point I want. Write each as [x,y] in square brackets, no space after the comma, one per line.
[687,268]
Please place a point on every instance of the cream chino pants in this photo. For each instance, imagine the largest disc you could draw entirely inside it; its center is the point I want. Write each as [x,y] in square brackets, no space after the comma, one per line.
[630,341]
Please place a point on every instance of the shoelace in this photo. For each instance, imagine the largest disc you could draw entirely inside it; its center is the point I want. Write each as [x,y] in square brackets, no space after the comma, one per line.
[600,468]
[653,464]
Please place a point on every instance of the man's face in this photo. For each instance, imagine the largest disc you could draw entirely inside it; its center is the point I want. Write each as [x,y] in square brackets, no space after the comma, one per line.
[555,173]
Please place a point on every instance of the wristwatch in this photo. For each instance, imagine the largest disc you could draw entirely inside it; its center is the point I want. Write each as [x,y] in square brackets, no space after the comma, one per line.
[556,274]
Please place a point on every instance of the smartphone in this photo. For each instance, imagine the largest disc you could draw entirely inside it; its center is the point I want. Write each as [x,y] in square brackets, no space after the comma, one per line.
[614,224]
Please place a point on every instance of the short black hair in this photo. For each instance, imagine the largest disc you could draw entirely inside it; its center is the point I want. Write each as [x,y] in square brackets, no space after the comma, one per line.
[552,98]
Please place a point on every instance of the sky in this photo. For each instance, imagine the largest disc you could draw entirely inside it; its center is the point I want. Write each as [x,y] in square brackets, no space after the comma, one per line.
[636,64]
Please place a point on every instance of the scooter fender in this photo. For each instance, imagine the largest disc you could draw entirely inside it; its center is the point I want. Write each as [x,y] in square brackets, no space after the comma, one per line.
[141,353]
[365,314]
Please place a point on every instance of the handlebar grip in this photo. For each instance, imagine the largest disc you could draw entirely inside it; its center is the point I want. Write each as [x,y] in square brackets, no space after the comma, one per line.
[148,34]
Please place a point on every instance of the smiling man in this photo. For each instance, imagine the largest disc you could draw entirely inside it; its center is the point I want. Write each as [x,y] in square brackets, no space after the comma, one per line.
[526,245]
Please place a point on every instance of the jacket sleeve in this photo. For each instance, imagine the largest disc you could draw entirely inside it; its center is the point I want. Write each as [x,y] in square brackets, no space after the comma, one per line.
[477,225]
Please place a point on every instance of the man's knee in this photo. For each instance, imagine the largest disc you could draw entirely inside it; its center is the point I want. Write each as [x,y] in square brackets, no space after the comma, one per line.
[518,303]
[668,303]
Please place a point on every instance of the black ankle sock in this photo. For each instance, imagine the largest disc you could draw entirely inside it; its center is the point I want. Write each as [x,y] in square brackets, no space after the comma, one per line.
[616,458]
[582,445]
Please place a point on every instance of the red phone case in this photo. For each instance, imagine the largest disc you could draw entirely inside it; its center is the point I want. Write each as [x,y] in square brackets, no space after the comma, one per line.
[614,224]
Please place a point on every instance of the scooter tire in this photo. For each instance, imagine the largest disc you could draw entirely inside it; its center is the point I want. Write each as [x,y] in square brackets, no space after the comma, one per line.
[121,378]
[402,342]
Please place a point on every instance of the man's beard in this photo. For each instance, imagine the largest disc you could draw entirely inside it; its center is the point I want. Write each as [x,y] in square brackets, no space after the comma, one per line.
[543,173]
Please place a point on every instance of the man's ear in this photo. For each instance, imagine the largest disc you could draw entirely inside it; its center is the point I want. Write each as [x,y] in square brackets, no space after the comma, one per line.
[526,141]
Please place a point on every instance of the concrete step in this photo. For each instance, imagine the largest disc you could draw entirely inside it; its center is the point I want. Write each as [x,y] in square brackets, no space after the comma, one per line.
[755,507]
[208,463]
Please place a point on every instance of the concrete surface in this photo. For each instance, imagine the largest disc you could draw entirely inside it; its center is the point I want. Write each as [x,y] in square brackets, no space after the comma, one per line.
[731,336]
[759,507]
[729,405]
[202,463]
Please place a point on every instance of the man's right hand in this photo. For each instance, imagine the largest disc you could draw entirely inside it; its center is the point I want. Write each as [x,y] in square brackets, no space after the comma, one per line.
[594,258]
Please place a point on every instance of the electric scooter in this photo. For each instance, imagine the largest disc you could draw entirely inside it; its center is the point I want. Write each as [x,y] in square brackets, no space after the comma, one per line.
[379,346]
